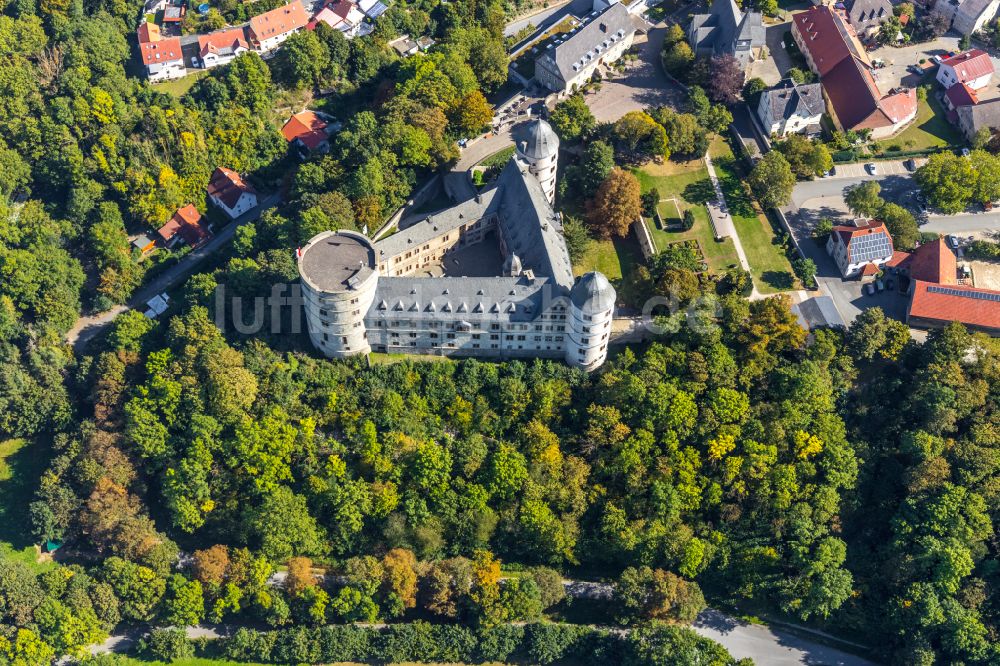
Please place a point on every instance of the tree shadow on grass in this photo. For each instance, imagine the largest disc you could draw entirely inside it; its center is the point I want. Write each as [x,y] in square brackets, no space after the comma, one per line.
[699,192]
[19,473]
[781,280]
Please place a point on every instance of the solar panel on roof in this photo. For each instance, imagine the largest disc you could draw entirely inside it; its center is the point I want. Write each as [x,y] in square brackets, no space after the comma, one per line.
[964,293]
[868,247]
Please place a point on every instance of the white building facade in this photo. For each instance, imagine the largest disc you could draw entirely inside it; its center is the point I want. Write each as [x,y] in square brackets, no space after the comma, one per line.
[538,147]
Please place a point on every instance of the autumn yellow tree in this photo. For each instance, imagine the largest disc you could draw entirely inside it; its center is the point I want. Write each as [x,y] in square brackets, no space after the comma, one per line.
[615,206]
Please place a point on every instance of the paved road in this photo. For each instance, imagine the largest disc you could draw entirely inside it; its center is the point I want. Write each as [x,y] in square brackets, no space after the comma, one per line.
[541,20]
[87,327]
[765,645]
[770,645]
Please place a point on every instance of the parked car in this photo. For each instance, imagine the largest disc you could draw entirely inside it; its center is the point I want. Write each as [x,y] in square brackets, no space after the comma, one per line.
[953,242]
[910,165]
[870,289]
[936,59]
[879,285]
[870,168]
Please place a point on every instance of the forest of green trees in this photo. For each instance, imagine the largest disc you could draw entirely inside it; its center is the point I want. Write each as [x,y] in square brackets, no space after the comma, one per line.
[849,480]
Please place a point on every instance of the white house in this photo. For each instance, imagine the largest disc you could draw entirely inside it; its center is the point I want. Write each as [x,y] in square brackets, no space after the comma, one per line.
[163,59]
[860,249]
[791,108]
[971,15]
[569,62]
[231,193]
[270,29]
[973,68]
[220,48]
[372,8]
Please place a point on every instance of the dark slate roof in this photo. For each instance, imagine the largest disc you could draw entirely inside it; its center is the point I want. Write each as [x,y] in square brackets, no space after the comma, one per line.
[593,293]
[464,298]
[789,98]
[860,12]
[725,26]
[610,25]
[538,138]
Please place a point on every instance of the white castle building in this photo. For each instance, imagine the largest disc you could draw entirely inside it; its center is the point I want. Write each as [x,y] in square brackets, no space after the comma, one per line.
[489,277]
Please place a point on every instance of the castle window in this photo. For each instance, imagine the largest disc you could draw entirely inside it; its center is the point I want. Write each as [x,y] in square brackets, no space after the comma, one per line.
[343,339]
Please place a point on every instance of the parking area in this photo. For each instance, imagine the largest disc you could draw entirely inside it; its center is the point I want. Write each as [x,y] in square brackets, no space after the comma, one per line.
[887,168]
[898,60]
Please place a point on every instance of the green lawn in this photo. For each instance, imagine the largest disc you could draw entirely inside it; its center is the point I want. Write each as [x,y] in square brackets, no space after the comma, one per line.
[772,272]
[178,87]
[930,130]
[689,185]
[614,258]
[21,464]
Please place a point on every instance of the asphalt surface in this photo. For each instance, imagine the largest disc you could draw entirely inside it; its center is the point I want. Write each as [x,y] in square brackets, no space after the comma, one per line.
[770,645]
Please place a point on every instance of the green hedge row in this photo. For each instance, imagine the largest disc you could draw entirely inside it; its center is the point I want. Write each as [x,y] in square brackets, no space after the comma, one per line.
[538,643]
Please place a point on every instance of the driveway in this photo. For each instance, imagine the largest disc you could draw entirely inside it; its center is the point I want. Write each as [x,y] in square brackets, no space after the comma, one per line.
[642,85]
[771,645]
[87,327]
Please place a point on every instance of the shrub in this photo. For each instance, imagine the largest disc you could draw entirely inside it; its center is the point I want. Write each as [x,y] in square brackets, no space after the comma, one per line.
[546,643]
[167,645]
[499,643]
[688,220]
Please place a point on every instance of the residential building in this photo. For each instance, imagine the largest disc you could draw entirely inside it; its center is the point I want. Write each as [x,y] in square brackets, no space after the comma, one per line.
[931,262]
[568,63]
[307,131]
[860,249]
[363,296]
[538,147]
[372,8]
[268,30]
[973,118]
[727,30]
[405,46]
[791,108]
[972,15]
[960,95]
[228,191]
[867,16]
[185,226]
[162,58]
[346,17]
[149,32]
[174,14]
[973,68]
[221,47]
[853,100]
[935,306]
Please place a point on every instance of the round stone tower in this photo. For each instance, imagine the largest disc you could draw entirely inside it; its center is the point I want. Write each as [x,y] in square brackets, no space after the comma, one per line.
[538,146]
[592,307]
[339,276]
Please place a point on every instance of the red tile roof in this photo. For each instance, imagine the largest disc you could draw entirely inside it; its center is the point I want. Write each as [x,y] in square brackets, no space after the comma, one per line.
[899,259]
[961,95]
[228,186]
[307,127]
[934,262]
[870,269]
[186,222]
[975,307]
[279,21]
[846,73]
[847,233]
[149,32]
[827,36]
[165,50]
[214,42]
[970,65]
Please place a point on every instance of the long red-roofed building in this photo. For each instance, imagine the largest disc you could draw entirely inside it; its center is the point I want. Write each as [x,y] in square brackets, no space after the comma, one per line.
[854,101]
[936,305]
[221,47]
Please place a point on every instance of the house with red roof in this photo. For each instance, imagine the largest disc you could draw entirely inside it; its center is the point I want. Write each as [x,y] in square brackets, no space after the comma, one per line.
[343,15]
[307,132]
[860,249]
[960,95]
[931,262]
[185,226]
[268,30]
[972,68]
[161,57]
[228,191]
[221,47]
[853,100]
[148,32]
